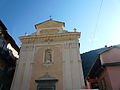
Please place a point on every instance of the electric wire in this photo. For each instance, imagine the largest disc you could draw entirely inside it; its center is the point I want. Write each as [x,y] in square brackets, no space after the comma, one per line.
[97,21]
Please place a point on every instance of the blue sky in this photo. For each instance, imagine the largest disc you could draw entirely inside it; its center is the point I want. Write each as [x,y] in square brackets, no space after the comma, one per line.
[20,16]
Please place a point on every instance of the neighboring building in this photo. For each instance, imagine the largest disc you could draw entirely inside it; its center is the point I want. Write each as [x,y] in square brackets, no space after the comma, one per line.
[49,59]
[102,68]
[8,56]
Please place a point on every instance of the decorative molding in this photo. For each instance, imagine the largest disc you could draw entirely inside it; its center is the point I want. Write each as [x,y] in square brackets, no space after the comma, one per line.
[59,28]
[49,37]
[73,45]
[27,48]
[67,45]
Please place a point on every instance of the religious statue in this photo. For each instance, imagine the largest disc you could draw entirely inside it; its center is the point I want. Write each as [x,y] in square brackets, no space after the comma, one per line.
[48,56]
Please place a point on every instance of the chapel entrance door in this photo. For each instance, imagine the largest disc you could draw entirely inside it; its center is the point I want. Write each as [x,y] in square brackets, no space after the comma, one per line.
[46,82]
[46,89]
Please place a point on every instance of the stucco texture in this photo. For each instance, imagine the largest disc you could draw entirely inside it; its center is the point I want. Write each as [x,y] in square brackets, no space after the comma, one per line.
[54,70]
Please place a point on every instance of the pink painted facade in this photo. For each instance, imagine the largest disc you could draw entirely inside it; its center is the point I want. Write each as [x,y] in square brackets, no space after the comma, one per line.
[110,56]
[107,82]
[111,74]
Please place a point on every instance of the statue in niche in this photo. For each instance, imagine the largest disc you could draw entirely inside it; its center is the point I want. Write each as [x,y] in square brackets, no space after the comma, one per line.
[48,56]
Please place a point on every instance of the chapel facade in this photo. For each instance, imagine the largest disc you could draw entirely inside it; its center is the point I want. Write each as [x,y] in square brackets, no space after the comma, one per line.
[49,59]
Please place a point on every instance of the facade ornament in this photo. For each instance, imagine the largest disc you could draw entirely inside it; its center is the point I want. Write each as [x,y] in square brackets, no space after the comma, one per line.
[25,33]
[75,29]
[50,17]
[48,57]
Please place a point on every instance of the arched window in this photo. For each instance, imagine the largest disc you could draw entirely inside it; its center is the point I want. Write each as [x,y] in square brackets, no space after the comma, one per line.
[48,56]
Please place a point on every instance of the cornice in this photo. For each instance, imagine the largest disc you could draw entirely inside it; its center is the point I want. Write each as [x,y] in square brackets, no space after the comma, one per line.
[50,37]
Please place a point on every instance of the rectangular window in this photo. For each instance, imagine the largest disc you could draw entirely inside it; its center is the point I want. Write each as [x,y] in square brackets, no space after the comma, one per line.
[103,84]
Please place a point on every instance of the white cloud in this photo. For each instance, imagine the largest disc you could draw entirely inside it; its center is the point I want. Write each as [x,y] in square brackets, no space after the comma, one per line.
[96,39]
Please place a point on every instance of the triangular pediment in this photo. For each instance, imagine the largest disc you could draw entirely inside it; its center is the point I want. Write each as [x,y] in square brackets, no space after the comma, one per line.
[49,24]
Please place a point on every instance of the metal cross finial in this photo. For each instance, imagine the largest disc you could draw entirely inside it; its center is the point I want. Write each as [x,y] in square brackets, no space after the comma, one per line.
[50,17]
